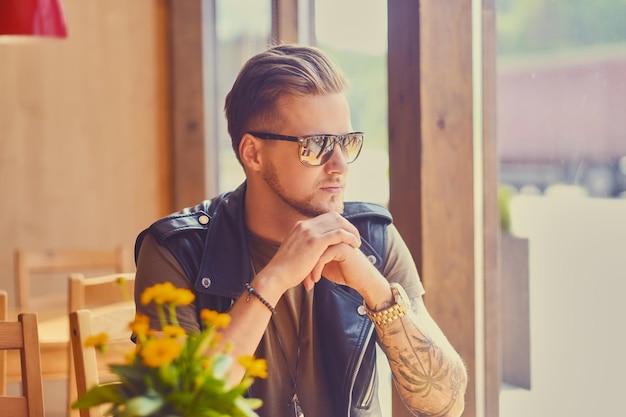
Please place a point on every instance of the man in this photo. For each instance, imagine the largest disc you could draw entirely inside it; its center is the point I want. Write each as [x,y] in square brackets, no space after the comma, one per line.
[305,278]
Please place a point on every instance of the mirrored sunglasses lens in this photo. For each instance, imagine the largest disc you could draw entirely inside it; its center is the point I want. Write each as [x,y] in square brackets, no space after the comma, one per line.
[313,150]
[351,146]
[317,150]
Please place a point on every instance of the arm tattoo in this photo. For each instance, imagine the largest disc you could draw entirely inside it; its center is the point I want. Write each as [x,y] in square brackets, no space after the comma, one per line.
[426,370]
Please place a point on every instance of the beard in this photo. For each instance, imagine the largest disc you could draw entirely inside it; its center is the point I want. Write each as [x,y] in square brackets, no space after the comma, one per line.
[305,207]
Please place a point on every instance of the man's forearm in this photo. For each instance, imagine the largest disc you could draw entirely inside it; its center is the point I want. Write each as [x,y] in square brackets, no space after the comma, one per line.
[428,373]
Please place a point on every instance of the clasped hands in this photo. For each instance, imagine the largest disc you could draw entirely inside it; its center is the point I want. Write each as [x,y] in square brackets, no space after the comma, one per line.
[325,245]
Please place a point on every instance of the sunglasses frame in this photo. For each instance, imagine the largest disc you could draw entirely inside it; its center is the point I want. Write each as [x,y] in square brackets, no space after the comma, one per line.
[301,140]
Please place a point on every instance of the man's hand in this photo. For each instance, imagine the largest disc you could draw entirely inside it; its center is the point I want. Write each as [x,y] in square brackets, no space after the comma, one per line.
[344,265]
[299,256]
[347,265]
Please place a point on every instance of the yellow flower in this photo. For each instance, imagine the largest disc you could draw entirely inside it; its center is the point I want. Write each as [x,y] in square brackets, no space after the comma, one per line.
[158,352]
[183,297]
[219,320]
[97,341]
[173,331]
[129,356]
[159,293]
[141,325]
[256,368]
[164,293]
[177,369]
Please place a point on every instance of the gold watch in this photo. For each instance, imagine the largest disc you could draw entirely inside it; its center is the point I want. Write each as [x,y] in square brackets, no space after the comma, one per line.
[394,312]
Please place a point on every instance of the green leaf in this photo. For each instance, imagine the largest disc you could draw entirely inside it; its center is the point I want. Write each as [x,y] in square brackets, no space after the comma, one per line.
[248,405]
[221,365]
[99,394]
[142,406]
[129,372]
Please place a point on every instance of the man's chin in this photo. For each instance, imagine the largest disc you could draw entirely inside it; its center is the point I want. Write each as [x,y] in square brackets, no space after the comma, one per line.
[339,207]
[334,206]
[319,209]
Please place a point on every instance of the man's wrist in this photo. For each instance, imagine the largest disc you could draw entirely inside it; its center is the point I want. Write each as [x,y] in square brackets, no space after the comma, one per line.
[264,285]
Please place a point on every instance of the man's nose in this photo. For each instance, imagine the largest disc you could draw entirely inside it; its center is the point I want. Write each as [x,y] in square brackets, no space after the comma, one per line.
[337,161]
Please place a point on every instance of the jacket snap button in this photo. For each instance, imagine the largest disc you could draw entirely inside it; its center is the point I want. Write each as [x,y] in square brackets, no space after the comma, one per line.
[361,310]
[206,282]
[372,259]
[204,219]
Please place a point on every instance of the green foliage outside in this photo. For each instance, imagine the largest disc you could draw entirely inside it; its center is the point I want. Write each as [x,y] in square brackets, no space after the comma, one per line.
[505,195]
[531,26]
[367,93]
[523,27]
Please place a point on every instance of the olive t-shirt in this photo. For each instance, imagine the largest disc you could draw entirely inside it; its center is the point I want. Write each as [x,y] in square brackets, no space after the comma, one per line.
[289,343]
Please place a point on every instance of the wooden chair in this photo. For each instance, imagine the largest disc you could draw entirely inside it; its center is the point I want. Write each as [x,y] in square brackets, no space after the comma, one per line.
[53,309]
[92,292]
[29,263]
[4,304]
[22,335]
[102,293]
[92,369]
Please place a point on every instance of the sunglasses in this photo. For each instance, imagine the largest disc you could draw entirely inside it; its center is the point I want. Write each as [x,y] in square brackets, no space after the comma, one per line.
[316,150]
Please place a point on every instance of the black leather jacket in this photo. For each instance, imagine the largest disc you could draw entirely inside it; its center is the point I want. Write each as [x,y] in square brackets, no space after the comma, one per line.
[209,241]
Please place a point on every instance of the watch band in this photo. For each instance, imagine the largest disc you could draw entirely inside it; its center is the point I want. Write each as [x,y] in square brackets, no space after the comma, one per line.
[392,313]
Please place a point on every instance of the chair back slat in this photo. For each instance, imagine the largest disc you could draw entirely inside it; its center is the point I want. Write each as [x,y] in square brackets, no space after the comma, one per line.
[12,336]
[89,367]
[30,262]
[100,291]
[14,406]
[23,336]
[97,304]
[31,363]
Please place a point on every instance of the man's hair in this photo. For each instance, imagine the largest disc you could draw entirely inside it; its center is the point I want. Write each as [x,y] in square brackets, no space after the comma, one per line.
[280,71]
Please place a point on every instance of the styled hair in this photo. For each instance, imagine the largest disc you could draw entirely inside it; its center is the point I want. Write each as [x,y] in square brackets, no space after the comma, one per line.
[281,70]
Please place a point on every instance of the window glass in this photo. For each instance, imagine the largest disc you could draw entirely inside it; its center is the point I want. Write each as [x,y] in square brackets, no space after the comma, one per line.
[354,32]
[561,101]
[239,36]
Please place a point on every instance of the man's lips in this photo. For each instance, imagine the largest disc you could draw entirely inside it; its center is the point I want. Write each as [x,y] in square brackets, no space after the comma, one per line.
[333,188]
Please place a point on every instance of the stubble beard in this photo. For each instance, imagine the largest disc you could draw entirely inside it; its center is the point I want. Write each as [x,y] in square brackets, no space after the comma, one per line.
[305,207]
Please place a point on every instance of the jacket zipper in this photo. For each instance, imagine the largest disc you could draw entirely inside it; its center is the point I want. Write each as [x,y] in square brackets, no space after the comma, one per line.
[357,367]
[369,392]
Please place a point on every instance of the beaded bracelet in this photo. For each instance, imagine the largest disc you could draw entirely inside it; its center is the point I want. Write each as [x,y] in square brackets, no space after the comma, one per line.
[260,297]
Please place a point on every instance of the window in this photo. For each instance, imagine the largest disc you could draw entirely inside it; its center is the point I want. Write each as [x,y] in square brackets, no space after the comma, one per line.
[561,132]
[238,37]
[355,34]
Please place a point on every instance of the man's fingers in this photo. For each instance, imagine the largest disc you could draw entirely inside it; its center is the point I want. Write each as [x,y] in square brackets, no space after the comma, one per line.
[339,236]
[316,272]
[308,283]
[331,226]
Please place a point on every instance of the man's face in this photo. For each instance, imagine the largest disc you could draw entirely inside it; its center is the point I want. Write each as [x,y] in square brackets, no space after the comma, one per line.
[310,191]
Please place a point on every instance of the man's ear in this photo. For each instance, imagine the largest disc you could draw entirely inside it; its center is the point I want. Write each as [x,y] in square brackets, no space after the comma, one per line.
[249,152]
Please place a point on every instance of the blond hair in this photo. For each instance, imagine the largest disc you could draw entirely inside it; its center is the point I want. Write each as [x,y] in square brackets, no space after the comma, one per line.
[281,70]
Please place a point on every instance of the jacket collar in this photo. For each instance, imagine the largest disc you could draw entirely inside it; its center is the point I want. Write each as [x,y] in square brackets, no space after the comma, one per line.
[228,267]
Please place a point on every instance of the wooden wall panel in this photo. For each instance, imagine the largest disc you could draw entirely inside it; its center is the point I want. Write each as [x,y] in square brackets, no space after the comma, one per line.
[84,130]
